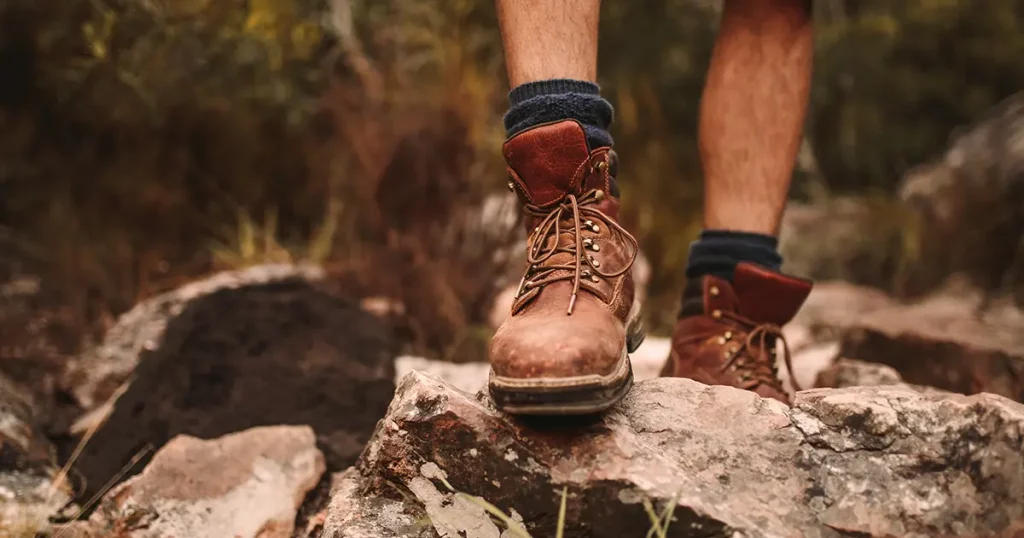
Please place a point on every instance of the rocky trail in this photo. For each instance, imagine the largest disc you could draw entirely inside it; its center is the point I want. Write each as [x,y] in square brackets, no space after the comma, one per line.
[261,403]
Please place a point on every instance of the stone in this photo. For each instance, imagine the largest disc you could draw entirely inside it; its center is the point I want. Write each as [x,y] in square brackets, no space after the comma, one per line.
[939,341]
[856,373]
[291,351]
[245,485]
[352,514]
[858,239]
[969,204]
[96,374]
[863,461]
[32,488]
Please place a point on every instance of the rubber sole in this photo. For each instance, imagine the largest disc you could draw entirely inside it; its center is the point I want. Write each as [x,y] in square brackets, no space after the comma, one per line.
[579,395]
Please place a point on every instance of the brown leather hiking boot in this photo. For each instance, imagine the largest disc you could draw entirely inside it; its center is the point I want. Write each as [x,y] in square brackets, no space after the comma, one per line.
[728,337]
[563,350]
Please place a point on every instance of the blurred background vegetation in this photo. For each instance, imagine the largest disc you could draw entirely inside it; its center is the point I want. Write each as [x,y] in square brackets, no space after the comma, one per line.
[147,142]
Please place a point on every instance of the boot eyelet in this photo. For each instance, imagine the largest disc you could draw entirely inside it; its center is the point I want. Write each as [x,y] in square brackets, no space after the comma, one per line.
[717,314]
[728,335]
[722,340]
[599,195]
[594,262]
[713,291]
[511,185]
[595,248]
[595,278]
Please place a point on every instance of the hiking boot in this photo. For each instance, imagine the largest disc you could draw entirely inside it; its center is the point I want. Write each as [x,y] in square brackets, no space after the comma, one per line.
[727,332]
[564,348]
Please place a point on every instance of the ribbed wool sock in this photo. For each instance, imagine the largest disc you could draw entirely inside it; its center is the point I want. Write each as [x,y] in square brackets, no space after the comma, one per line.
[545,101]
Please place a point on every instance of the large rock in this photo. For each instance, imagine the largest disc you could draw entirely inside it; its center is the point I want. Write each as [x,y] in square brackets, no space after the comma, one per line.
[941,342]
[95,376]
[970,202]
[31,486]
[288,351]
[243,485]
[869,461]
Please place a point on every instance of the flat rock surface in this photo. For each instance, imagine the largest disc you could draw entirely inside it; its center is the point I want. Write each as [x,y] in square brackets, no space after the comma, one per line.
[243,485]
[282,352]
[866,461]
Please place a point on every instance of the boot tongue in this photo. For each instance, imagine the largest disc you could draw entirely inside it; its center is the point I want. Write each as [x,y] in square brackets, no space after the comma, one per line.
[766,296]
[545,160]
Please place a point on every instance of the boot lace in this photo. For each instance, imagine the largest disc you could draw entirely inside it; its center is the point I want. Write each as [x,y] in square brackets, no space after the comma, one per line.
[760,342]
[572,216]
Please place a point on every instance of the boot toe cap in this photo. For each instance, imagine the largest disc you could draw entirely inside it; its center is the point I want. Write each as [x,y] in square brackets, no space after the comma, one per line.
[545,348]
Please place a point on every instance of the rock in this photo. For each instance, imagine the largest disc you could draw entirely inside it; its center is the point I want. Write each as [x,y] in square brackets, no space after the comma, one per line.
[280,352]
[940,342]
[245,485]
[31,486]
[352,514]
[866,461]
[849,238]
[970,203]
[855,373]
[94,377]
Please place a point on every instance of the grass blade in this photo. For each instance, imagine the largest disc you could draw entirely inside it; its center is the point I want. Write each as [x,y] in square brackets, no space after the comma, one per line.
[560,533]
[655,521]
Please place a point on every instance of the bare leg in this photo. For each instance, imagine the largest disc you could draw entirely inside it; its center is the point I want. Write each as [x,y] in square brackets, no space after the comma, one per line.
[549,39]
[752,112]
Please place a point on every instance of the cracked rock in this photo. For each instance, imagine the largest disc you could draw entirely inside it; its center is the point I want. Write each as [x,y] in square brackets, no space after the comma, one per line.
[864,461]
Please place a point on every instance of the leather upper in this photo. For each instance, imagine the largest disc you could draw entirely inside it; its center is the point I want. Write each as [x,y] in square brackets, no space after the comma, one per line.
[572,222]
[733,342]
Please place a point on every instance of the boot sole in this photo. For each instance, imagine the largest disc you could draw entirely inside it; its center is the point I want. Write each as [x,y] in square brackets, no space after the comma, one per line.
[578,395]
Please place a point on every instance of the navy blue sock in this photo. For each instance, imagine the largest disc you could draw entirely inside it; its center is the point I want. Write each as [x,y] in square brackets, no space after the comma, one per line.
[545,101]
[717,252]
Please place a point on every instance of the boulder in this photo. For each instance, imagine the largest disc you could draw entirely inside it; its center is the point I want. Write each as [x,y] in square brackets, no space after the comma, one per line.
[32,488]
[970,206]
[243,485]
[94,376]
[865,461]
[288,351]
[941,342]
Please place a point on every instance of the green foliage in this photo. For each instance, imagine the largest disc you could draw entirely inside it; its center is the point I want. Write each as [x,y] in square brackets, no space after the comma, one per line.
[893,79]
